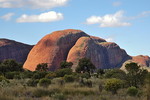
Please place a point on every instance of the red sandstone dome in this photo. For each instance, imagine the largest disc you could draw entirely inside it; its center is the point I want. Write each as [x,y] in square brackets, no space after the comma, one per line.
[71,45]
[53,49]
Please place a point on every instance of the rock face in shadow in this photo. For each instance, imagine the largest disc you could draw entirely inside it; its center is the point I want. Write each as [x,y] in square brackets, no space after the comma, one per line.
[53,49]
[72,45]
[10,49]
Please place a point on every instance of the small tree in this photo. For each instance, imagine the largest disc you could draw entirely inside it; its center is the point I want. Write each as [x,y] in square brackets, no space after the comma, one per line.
[65,64]
[42,67]
[135,75]
[10,65]
[113,85]
[85,65]
[132,91]
[147,81]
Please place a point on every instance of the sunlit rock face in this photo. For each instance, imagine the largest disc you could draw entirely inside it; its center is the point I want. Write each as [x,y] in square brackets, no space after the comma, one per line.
[72,45]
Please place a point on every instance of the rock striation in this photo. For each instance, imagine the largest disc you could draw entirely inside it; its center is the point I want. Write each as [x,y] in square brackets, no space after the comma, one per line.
[10,49]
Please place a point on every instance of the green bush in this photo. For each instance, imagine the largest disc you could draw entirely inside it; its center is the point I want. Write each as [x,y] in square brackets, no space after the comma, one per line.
[38,75]
[10,75]
[115,73]
[44,82]
[32,82]
[113,85]
[3,78]
[10,65]
[69,78]
[27,74]
[85,75]
[132,91]
[63,72]
[50,75]
[59,96]
[17,77]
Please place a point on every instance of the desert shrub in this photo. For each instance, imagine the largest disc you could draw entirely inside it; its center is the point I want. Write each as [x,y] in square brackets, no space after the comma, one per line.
[39,92]
[59,81]
[27,74]
[100,71]
[100,88]
[69,78]
[10,75]
[32,82]
[39,75]
[50,75]
[44,82]
[59,96]
[2,78]
[63,72]
[115,73]
[113,85]
[132,91]
[17,77]
[85,75]
[88,83]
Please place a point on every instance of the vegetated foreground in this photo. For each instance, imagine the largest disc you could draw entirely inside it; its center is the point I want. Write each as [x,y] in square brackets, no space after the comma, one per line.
[87,83]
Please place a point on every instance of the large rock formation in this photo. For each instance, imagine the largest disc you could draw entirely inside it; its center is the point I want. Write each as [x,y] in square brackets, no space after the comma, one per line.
[103,54]
[71,45]
[10,49]
[53,49]
[143,61]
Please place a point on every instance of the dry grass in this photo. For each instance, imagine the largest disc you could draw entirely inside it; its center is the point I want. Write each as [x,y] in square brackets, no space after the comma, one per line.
[15,90]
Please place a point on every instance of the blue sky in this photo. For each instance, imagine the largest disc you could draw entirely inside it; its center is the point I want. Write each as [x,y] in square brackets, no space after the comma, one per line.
[126,22]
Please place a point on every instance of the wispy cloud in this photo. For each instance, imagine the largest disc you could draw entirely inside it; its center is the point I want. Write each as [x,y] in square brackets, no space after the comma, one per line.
[141,15]
[109,20]
[7,16]
[34,4]
[117,3]
[110,39]
[43,17]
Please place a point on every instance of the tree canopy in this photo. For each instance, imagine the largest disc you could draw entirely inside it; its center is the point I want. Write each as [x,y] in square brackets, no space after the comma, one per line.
[85,65]
[65,64]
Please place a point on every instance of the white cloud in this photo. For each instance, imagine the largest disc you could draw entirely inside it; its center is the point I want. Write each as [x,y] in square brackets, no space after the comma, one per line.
[43,17]
[116,4]
[110,39]
[109,20]
[7,16]
[35,4]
